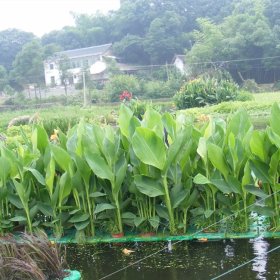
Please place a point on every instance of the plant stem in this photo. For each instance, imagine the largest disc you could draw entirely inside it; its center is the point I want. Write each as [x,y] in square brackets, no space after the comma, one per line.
[92,229]
[185,220]
[169,207]
[119,218]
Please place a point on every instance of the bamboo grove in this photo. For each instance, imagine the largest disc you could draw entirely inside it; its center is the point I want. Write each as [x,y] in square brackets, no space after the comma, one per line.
[161,173]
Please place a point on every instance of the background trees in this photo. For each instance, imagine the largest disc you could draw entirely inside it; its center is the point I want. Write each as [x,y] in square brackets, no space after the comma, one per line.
[152,31]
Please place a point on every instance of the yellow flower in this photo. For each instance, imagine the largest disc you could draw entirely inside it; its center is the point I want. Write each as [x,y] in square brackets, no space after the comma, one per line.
[54,136]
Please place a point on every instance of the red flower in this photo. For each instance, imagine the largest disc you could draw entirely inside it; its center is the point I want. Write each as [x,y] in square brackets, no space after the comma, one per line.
[125,96]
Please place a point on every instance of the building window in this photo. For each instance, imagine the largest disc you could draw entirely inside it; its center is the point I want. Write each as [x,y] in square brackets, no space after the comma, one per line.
[52,81]
[51,66]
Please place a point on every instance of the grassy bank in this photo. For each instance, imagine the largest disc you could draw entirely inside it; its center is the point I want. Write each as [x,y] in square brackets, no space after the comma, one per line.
[258,109]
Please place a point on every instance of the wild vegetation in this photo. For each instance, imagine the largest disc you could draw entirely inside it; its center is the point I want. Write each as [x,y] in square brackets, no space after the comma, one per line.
[33,257]
[160,172]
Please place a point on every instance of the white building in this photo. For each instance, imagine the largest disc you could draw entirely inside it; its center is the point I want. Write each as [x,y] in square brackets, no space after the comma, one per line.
[79,59]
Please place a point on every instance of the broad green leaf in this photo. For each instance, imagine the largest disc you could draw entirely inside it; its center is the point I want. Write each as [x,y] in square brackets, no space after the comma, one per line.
[62,158]
[246,179]
[148,147]
[208,213]
[200,179]
[45,209]
[5,168]
[216,156]
[128,215]
[15,200]
[97,194]
[273,137]
[148,186]
[50,173]
[162,212]
[83,169]
[98,165]
[152,120]
[18,219]
[138,221]
[202,149]
[154,222]
[11,157]
[125,115]
[210,129]
[176,148]
[79,217]
[169,125]
[261,171]
[257,144]
[22,193]
[234,184]
[81,225]
[102,207]
[40,139]
[239,124]
[275,118]
[255,191]
[222,185]
[39,177]
[65,186]
[274,164]
[264,210]
[223,199]
[190,199]
[120,172]
[178,197]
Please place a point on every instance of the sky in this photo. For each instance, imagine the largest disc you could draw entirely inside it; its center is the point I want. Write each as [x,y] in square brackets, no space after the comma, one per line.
[43,16]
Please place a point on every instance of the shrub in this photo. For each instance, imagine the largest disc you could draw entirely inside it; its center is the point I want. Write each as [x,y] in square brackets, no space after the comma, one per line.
[201,92]
[119,83]
[153,89]
[250,85]
[244,96]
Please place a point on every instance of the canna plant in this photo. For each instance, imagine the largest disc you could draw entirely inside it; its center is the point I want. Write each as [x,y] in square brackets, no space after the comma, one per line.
[265,164]
[107,159]
[161,171]
[224,168]
[152,159]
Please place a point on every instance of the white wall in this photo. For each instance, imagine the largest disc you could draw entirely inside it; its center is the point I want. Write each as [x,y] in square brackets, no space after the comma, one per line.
[51,73]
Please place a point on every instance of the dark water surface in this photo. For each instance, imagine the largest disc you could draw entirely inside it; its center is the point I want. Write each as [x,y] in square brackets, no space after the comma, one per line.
[184,260]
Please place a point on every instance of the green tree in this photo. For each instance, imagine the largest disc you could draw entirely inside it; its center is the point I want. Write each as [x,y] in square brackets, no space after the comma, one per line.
[164,38]
[3,78]
[11,42]
[131,48]
[208,42]
[28,67]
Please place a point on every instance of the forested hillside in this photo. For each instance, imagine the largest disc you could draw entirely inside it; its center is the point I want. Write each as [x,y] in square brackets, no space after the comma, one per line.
[242,35]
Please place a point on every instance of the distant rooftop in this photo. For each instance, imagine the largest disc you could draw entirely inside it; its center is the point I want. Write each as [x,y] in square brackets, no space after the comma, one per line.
[94,50]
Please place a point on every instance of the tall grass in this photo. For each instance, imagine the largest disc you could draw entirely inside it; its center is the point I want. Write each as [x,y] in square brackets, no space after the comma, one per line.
[31,257]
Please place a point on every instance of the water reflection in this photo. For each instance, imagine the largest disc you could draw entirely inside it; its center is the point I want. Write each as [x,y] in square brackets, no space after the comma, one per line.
[260,248]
